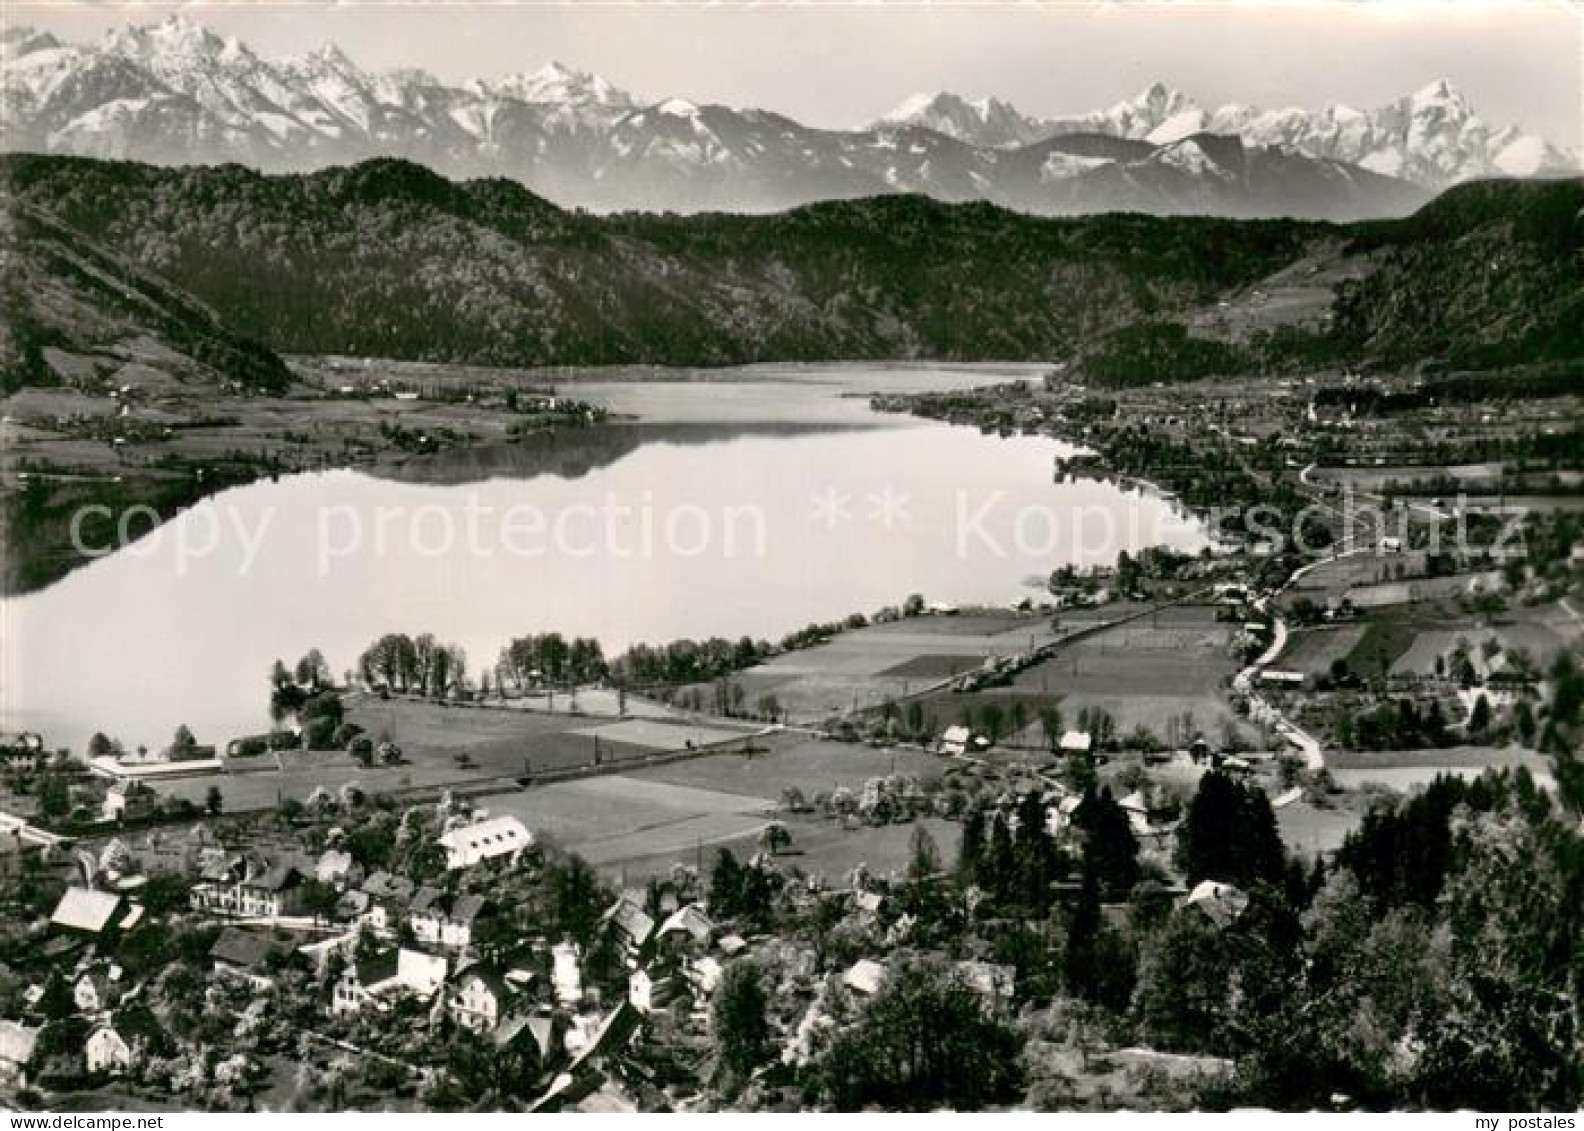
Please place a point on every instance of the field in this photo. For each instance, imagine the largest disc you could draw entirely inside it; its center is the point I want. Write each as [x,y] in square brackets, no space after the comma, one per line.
[449,747]
[1333,580]
[824,849]
[639,823]
[810,764]
[1309,830]
[613,819]
[1147,673]
[1313,651]
[502,740]
[860,670]
[1406,770]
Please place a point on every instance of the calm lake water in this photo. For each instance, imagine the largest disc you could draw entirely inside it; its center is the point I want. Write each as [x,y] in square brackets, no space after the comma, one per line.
[736,508]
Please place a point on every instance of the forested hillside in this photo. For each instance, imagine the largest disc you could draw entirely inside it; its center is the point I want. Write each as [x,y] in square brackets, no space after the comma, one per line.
[389,259]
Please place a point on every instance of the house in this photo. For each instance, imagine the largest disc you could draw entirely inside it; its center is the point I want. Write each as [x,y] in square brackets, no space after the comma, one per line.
[652,991]
[954,741]
[546,1032]
[375,978]
[90,912]
[249,955]
[108,1051]
[128,800]
[361,984]
[566,974]
[1274,677]
[494,839]
[380,903]
[248,887]
[1076,742]
[17,1042]
[865,976]
[441,919]
[93,993]
[1221,903]
[632,927]
[688,927]
[479,998]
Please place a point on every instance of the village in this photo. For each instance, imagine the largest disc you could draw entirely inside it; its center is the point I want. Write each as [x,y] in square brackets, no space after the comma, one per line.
[741,874]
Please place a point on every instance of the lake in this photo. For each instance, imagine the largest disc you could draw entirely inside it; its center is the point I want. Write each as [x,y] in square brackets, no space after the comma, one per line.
[750,506]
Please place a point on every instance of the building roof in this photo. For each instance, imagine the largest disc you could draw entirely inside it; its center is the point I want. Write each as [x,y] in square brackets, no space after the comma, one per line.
[957,734]
[1221,903]
[690,920]
[460,908]
[866,976]
[377,968]
[386,886]
[498,836]
[537,1027]
[278,878]
[1077,740]
[84,909]
[491,977]
[632,920]
[17,1042]
[248,949]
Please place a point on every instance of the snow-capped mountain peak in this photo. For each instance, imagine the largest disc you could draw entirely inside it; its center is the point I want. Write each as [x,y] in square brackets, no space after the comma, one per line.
[173,91]
[979,121]
[556,82]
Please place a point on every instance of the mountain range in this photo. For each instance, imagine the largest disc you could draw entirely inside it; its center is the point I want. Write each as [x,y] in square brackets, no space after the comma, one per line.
[388,259]
[1432,137]
[176,93]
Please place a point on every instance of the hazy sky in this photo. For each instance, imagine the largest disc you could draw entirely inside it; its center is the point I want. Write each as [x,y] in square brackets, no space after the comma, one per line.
[842,64]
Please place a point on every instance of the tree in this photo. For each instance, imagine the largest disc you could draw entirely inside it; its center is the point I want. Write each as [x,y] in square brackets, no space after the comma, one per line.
[970,847]
[213,801]
[56,1001]
[1230,834]
[739,1013]
[312,670]
[183,742]
[1109,844]
[1083,933]
[1051,725]
[923,855]
[923,1043]
[576,900]
[1480,717]
[1185,987]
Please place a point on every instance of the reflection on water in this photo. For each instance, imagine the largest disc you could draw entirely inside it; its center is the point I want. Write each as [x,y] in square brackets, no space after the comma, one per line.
[627,534]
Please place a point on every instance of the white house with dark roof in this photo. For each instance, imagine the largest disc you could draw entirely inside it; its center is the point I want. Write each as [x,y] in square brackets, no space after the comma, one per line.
[439,919]
[93,993]
[108,1051]
[248,888]
[479,998]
